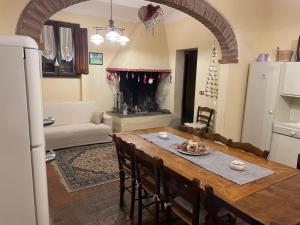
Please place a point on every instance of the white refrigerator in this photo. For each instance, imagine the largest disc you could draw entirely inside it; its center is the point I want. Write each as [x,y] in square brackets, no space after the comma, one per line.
[23,179]
[261,99]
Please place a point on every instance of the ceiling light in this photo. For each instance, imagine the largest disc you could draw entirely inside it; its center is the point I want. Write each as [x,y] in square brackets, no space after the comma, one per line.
[112,32]
[97,39]
[113,36]
[123,40]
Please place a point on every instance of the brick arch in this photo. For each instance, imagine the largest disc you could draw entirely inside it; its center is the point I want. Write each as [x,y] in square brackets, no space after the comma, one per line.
[37,12]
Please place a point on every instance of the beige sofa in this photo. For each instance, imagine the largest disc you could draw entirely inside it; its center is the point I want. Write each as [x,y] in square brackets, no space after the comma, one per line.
[73,125]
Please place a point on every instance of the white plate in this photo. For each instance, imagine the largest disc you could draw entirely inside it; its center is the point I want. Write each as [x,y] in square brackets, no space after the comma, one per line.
[163,135]
[237,168]
[193,154]
[238,162]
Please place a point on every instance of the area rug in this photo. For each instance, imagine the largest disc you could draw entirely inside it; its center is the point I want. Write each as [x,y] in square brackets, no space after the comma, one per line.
[87,166]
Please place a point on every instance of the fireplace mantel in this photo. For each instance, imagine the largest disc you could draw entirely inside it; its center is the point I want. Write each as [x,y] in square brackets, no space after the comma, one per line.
[138,70]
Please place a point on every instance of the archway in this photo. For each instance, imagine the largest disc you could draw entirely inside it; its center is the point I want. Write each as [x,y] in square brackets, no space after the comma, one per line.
[37,12]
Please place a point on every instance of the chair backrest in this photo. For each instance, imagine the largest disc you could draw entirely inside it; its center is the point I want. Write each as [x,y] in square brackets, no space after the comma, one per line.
[204,115]
[298,162]
[215,204]
[125,153]
[177,185]
[147,171]
[247,147]
[218,138]
[191,130]
[213,137]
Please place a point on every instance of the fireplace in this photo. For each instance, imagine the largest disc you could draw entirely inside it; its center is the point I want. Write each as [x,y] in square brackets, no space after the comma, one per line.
[139,92]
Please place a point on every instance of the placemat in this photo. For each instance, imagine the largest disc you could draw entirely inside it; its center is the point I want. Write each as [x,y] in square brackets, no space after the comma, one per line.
[216,161]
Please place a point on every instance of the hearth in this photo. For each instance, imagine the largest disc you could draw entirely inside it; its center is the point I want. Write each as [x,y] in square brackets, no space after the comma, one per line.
[139,92]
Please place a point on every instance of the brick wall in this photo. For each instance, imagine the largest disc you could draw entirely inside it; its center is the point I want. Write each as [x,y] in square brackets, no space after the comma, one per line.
[37,12]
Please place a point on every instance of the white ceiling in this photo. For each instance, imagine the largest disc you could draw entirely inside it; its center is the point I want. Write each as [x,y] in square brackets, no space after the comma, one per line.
[122,9]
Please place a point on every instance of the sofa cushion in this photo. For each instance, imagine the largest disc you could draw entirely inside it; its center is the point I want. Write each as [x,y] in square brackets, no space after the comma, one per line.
[97,117]
[68,113]
[76,134]
[107,120]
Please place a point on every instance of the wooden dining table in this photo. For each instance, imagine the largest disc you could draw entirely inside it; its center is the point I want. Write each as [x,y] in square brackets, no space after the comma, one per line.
[274,198]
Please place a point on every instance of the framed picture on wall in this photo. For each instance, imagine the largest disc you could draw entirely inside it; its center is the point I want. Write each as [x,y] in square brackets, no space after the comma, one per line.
[95,58]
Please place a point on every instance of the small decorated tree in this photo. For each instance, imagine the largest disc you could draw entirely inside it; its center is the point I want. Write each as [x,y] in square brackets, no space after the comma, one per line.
[211,87]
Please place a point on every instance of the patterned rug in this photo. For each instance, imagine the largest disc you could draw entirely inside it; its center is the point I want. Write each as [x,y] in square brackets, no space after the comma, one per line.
[87,166]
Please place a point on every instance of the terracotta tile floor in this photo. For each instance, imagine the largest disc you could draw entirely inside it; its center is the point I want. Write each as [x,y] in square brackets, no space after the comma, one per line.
[93,206]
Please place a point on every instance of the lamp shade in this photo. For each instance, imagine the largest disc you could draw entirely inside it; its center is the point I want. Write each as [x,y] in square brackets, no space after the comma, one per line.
[97,39]
[113,36]
[124,40]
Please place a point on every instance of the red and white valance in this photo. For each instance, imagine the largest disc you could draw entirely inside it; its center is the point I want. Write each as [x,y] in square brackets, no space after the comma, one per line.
[138,70]
[141,75]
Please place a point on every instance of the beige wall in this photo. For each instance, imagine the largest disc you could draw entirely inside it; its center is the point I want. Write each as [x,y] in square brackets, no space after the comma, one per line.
[246,18]
[61,89]
[142,47]
[258,24]
[93,86]
[145,50]
[9,15]
[184,35]
[282,25]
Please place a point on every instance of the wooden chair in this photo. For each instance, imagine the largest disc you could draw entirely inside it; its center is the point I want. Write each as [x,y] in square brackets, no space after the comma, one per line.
[191,130]
[298,163]
[180,195]
[125,153]
[149,182]
[204,115]
[247,147]
[215,205]
[209,136]
[217,138]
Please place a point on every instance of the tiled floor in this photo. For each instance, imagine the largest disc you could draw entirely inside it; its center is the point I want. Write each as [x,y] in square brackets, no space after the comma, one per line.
[94,206]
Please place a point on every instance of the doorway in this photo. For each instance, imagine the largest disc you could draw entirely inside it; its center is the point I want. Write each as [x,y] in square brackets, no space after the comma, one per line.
[189,85]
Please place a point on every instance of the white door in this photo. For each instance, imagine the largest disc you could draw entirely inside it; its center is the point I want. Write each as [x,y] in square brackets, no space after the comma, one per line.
[16,182]
[260,104]
[285,150]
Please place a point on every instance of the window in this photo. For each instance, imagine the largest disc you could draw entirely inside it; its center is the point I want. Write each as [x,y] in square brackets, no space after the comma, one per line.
[65,49]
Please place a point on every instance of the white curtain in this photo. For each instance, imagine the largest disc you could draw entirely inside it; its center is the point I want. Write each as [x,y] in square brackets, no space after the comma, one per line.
[47,38]
[66,44]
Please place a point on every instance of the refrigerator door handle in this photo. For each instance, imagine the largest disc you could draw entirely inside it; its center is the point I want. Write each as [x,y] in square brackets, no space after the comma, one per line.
[34,96]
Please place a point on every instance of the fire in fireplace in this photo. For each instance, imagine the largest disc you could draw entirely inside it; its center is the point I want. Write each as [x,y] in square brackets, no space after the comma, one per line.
[138,92]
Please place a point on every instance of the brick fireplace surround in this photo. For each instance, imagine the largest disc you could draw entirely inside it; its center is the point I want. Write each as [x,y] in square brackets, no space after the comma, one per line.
[37,12]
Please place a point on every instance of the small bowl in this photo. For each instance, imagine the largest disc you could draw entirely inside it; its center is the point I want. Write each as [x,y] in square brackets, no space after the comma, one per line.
[237,165]
[285,55]
[163,135]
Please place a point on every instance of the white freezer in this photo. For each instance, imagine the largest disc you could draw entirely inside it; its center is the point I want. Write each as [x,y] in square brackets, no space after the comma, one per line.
[16,192]
[23,189]
[262,92]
